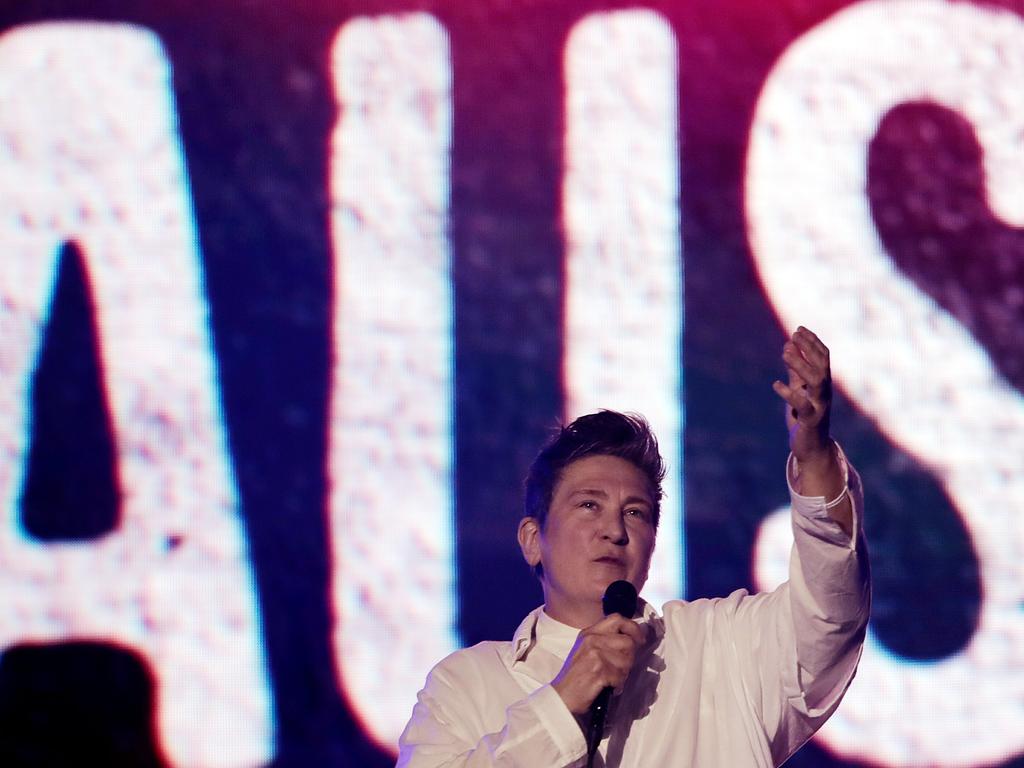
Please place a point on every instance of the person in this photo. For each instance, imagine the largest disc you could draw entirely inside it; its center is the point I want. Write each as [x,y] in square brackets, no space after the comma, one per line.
[728,682]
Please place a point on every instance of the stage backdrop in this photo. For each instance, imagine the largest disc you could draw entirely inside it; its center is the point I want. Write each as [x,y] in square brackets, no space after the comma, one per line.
[290,293]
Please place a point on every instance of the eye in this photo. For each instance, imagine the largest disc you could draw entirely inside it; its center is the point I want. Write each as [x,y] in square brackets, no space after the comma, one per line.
[636,512]
[588,504]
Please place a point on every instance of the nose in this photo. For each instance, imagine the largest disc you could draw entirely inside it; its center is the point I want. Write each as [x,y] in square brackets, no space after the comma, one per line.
[614,529]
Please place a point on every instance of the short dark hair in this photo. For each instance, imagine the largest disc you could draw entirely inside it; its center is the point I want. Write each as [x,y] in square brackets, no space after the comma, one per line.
[605,433]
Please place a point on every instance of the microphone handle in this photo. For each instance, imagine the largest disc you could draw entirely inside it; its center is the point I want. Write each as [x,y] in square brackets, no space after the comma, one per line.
[595,728]
[619,597]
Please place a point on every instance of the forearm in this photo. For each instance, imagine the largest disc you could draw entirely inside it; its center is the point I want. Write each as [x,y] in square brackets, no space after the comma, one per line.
[538,730]
[829,577]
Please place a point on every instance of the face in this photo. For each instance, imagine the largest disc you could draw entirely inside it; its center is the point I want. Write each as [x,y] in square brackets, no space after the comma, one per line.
[600,528]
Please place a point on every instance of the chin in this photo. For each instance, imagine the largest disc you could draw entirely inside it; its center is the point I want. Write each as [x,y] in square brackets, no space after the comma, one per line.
[605,579]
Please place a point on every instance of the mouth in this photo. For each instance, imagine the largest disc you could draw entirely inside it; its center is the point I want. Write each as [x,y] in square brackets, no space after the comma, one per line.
[616,562]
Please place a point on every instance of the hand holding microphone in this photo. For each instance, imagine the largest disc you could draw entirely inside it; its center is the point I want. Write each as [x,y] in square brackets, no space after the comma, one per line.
[601,660]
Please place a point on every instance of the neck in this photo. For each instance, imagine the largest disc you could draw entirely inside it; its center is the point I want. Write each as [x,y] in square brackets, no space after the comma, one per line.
[578,616]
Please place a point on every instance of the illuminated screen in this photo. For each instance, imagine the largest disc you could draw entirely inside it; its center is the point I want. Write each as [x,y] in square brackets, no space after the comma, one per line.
[291,293]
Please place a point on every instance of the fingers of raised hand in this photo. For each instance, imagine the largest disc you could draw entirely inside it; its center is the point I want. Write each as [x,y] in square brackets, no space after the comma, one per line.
[797,399]
[808,341]
[812,352]
[803,370]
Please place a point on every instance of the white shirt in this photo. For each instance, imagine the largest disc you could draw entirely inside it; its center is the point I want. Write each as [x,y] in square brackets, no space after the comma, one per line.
[724,683]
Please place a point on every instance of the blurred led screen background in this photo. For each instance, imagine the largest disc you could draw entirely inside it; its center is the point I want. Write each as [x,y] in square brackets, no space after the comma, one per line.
[291,293]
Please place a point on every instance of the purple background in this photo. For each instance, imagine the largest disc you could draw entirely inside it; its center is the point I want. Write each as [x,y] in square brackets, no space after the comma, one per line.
[256,110]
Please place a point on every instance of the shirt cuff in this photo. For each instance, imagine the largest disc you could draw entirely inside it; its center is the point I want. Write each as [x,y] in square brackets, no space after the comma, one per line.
[559,722]
[815,509]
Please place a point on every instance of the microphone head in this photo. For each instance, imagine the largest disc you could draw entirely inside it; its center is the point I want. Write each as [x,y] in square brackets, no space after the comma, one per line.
[620,598]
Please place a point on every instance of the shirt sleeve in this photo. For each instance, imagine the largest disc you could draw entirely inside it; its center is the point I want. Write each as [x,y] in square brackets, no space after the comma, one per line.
[830,595]
[805,638]
[446,727]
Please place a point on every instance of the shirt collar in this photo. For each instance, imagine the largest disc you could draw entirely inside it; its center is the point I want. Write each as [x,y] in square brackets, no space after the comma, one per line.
[538,622]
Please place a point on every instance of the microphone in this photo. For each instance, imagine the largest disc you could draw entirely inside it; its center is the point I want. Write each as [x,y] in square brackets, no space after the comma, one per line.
[620,598]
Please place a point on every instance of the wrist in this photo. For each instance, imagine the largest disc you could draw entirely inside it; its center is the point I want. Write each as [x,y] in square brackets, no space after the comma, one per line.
[572,702]
[818,473]
[817,458]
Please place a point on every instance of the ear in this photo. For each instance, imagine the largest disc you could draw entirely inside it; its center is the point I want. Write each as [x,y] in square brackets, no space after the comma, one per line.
[529,540]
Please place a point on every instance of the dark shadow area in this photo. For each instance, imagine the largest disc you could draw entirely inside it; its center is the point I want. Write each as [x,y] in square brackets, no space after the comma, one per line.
[76,704]
[926,186]
[927,586]
[70,490]
[507,273]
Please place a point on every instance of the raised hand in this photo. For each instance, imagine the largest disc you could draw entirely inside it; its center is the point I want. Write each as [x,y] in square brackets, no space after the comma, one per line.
[808,396]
